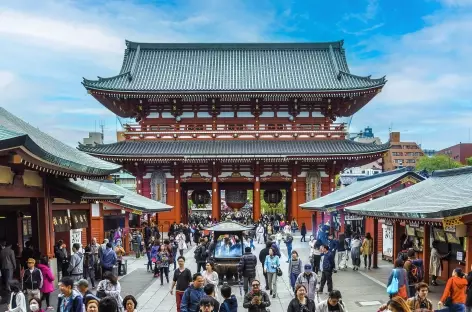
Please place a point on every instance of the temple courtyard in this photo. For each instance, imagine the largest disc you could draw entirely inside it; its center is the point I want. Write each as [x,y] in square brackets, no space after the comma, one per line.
[362,291]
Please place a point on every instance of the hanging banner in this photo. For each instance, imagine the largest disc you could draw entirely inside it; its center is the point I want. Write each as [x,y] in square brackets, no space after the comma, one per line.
[60,219]
[79,219]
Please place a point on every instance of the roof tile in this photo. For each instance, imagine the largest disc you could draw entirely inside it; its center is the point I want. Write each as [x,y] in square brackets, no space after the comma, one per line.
[446,193]
[197,148]
[234,67]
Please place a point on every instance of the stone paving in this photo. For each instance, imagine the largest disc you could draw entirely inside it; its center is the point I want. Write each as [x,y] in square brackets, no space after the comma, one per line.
[360,293]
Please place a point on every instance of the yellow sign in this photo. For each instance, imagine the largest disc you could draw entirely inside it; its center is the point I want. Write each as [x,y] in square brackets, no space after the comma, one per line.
[137,212]
[452,222]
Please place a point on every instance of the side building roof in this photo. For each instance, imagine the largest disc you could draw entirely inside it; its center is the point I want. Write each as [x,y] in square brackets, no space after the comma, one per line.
[234,67]
[232,148]
[363,187]
[128,199]
[46,152]
[447,193]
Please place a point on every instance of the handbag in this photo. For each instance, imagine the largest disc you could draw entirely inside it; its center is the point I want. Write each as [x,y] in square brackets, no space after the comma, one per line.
[279,272]
[101,294]
[392,289]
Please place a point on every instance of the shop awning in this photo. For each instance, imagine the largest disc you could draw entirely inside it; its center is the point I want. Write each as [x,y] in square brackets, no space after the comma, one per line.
[363,187]
[447,193]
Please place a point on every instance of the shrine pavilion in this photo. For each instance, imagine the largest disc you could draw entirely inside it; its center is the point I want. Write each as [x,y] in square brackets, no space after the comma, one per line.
[236,117]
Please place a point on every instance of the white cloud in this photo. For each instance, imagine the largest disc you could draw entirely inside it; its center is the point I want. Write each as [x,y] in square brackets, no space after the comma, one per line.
[428,92]
[6,78]
[98,111]
[64,33]
[456,3]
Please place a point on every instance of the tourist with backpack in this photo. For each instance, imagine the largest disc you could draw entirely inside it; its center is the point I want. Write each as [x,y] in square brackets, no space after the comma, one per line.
[200,255]
[414,269]
[397,281]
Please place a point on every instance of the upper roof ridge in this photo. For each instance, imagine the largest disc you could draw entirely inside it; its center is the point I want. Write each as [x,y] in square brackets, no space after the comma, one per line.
[383,174]
[232,45]
[451,172]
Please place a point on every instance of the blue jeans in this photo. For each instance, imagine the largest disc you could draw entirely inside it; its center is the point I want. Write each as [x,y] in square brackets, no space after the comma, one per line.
[457,307]
[289,252]
[293,279]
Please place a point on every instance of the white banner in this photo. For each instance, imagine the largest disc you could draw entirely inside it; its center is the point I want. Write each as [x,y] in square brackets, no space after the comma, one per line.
[387,244]
[75,237]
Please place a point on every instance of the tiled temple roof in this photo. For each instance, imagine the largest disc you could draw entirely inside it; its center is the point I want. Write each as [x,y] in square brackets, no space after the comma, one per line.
[128,199]
[447,193]
[229,148]
[361,188]
[16,133]
[234,67]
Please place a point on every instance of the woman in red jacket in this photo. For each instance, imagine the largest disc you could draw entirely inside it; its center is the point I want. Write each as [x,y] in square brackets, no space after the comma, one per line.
[456,290]
[48,281]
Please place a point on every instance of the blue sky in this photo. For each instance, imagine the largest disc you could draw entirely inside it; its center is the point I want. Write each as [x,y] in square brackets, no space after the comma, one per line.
[423,47]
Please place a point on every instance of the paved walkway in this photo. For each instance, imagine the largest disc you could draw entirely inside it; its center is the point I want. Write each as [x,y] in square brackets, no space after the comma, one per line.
[362,291]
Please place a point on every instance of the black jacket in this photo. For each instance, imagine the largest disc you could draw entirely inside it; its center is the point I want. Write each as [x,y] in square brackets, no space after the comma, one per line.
[265,302]
[263,254]
[294,306]
[201,254]
[32,280]
[468,300]
[247,265]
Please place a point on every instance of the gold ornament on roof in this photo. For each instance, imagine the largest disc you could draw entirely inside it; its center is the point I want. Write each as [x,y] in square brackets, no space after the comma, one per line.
[75,219]
[54,220]
[408,179]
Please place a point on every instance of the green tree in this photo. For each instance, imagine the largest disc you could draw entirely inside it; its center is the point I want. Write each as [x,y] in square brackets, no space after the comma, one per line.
[468,161]
[436,162]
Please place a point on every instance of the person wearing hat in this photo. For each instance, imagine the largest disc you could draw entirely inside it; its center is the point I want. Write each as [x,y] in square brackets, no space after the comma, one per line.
[32,280]
[309,280]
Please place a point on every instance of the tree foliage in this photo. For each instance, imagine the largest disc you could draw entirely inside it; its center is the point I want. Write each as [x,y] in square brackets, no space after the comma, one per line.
[469,161]
[436,162]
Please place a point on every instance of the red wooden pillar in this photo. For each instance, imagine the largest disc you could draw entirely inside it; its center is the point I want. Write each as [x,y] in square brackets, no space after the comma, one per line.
[468,249]
[177,196]
[89,228]
[215,193]
[256,193]
[294,201]
[46,227]
[427,252]
[215,199]
[126,230]
[396,240]
[376,242]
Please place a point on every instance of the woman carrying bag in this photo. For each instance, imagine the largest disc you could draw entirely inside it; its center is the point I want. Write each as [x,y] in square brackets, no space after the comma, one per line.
[397,281]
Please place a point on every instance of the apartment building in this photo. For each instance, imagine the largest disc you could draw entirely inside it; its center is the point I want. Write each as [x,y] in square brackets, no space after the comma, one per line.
[401,154]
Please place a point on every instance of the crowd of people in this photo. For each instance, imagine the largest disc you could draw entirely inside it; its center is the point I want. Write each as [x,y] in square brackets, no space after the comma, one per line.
[89,276]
